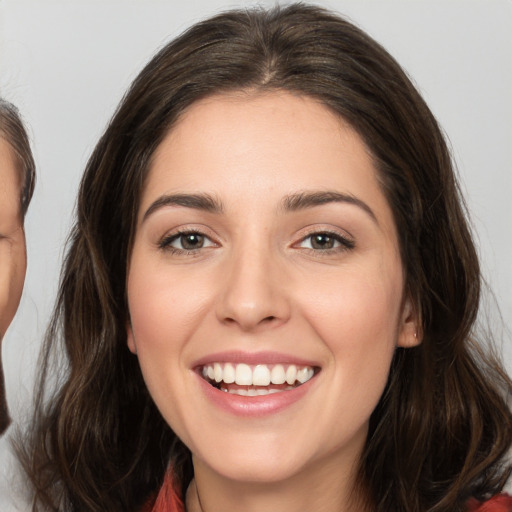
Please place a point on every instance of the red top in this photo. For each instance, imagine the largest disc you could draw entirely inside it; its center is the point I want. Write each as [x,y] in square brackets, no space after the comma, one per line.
[499,503]
[168,500]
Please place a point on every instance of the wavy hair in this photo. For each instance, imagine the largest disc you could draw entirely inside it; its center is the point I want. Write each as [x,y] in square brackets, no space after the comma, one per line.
[442,428]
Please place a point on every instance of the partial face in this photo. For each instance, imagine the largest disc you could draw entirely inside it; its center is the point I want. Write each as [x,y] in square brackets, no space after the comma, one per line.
[265,287]
[12,238]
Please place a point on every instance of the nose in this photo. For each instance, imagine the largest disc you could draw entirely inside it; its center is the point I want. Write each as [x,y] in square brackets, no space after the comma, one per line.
[253,292]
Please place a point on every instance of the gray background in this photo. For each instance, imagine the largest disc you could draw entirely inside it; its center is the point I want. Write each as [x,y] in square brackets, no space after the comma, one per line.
[66,65]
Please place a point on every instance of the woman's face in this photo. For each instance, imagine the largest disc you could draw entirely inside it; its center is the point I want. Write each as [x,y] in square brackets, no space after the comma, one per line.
[265,287]
[12,238]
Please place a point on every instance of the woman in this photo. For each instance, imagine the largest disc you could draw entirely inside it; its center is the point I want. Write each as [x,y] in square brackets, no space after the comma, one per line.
[269,295]
[16,186]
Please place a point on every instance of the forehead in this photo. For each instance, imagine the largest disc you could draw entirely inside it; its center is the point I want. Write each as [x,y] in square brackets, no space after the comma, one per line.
[275,141]
[245,134]
[8,160]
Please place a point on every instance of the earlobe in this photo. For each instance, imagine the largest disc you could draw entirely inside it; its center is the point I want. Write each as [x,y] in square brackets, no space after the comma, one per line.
[130,339]
[410,333]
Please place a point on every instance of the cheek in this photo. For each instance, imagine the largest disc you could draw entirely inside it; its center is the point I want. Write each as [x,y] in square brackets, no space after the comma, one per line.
[153,333]
[358,321]
[165,309]
[12,276]
[358,306]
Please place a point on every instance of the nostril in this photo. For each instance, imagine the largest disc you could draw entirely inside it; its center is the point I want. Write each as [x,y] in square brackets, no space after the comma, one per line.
[265,320]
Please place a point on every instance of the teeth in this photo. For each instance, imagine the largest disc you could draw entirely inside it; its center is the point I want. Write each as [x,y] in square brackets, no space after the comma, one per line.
[255,392]
[261,375]
[303,375]
[258,375]
[278,375]
[291,374]
[217,372]
[243,375]
[229,373]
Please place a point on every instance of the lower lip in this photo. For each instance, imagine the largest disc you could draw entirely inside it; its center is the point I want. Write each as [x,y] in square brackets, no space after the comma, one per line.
[254,405]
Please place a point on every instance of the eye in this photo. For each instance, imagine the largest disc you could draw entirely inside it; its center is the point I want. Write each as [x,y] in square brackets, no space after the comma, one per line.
[325,241]
[186,241]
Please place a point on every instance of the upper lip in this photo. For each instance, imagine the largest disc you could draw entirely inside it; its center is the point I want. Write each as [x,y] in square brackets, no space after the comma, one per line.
[253,358]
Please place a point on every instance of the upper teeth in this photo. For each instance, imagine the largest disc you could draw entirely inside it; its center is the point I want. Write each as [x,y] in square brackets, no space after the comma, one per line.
[257,375]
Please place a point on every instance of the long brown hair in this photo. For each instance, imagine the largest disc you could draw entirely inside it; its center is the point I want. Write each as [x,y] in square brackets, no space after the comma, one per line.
[441,430]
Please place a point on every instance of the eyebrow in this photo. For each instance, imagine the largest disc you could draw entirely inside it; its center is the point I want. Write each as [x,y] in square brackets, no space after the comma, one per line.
[204,202]
[290,203]
[303,200]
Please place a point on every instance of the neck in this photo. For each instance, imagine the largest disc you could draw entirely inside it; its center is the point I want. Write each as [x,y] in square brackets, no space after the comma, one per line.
[322,489]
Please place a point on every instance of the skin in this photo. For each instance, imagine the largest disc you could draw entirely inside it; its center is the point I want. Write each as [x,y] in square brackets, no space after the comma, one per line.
[258,284]
[12,253]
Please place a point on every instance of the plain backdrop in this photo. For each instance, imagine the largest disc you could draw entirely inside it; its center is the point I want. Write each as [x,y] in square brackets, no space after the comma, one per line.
[66,64]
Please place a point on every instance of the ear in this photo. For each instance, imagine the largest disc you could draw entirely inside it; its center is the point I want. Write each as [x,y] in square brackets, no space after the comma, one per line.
[130,338]
[410,333]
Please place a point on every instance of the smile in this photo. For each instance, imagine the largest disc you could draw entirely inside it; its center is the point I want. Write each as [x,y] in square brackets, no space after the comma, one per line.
[256,380]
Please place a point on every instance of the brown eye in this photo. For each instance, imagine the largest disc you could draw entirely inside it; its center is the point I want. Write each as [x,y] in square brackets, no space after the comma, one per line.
[326,241]
[185,242]
[191,241]
[322,241]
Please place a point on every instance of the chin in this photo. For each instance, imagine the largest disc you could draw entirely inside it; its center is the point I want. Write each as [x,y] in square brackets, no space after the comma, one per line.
[257,460]
[271,470]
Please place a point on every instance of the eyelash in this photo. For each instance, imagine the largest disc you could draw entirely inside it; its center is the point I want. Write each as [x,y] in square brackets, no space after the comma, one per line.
[345,244]
[165,243]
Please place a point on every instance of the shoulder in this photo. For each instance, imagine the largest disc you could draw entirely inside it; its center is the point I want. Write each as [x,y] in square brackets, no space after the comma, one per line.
[498,503]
